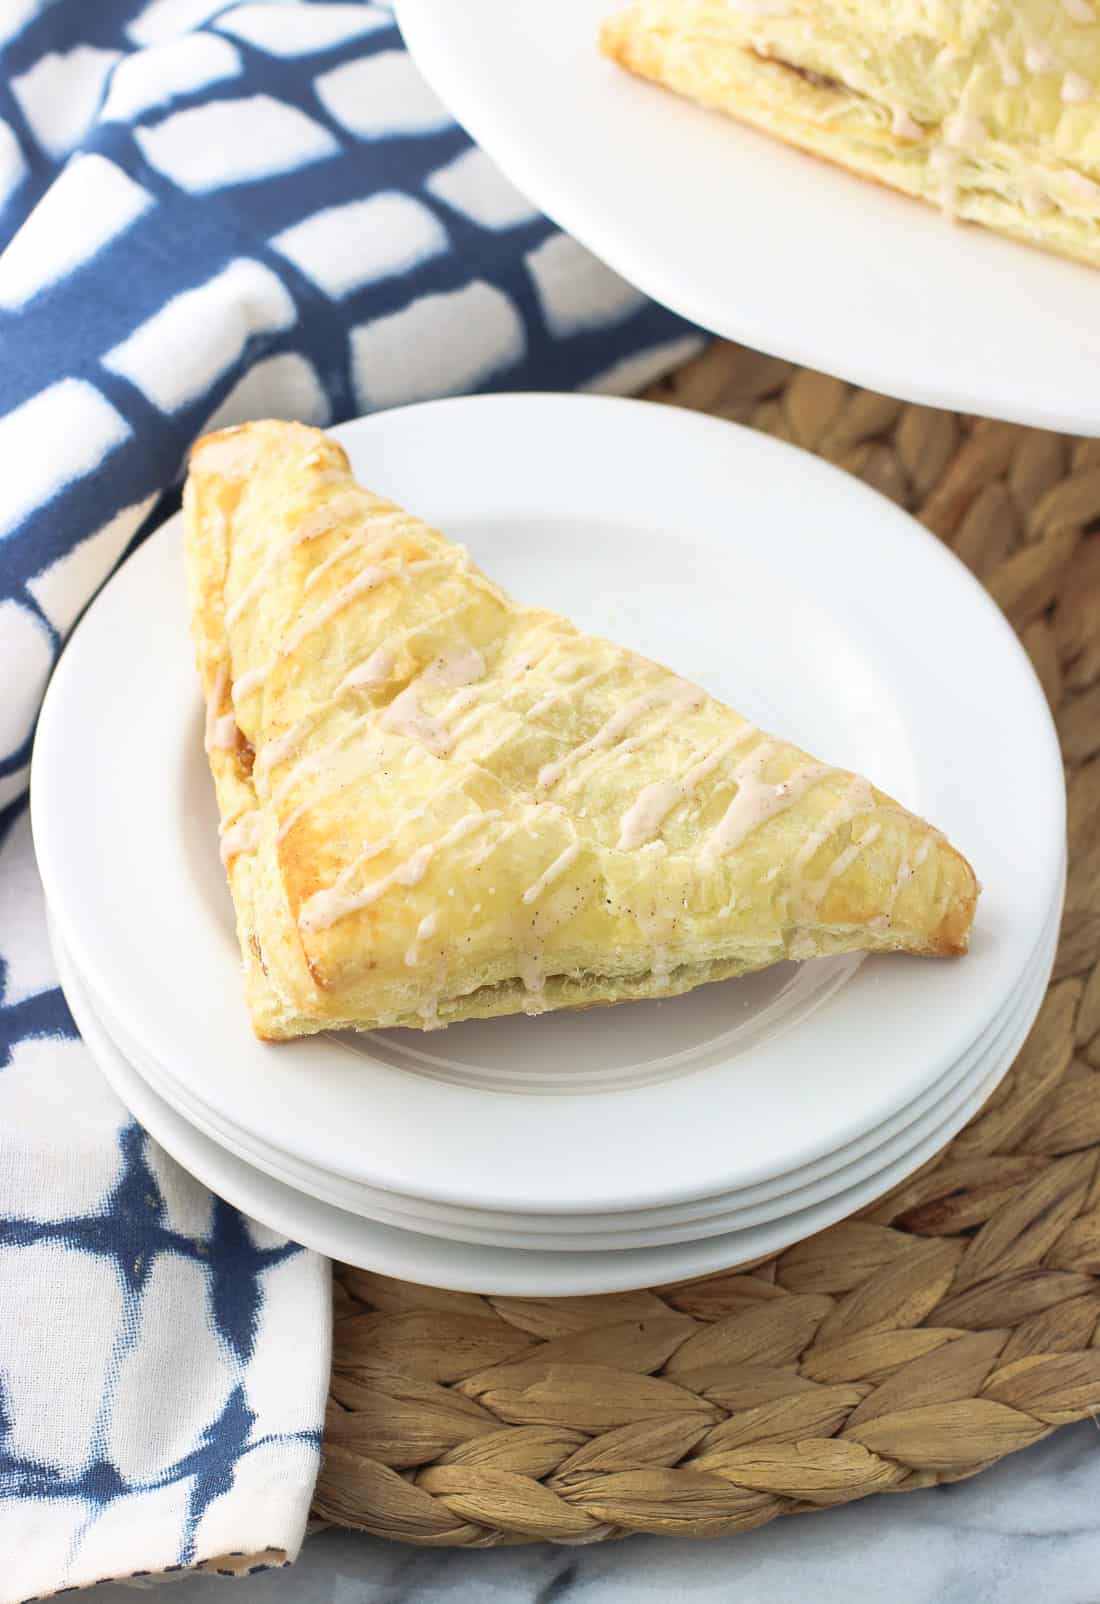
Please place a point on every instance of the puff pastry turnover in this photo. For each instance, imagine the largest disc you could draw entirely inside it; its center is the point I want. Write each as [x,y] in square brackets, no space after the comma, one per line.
[437,804]
[988,110]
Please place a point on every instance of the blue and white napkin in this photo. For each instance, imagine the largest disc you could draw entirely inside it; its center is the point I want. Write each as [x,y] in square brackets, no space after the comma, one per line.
[208,212]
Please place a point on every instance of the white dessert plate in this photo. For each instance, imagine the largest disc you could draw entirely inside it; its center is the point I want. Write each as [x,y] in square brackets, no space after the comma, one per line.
[597,1233]
[706,1216]
[752,239]
[432,1261]
[779,583]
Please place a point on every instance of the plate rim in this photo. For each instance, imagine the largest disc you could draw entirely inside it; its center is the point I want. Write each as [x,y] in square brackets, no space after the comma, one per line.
[494,1282]
[284,1168]
[1012,1027]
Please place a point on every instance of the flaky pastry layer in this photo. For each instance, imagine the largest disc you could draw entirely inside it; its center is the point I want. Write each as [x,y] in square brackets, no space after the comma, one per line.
[438,804]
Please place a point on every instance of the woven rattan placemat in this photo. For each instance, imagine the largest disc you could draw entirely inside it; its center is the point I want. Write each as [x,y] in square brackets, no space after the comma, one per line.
[919,1341]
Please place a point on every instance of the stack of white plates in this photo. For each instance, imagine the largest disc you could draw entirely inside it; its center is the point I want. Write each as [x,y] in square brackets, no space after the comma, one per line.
[612,1148]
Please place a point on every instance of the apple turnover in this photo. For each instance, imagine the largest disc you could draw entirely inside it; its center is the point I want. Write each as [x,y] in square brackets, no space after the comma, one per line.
[989,111]
[438,804]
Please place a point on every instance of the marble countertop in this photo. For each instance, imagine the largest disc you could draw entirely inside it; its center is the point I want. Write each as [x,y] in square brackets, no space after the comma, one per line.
[1025,1532]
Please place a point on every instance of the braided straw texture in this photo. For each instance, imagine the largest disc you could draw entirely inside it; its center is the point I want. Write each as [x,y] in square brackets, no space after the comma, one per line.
[950,1323]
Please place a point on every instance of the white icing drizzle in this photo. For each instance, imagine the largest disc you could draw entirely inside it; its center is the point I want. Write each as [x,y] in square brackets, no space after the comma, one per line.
[902,126]
[326,908]
[309,531]
[491,845]
[921,853]
[1040,58]
[555,869]
[945,162]
[375,547]
[810,901]
[312,762]
[241,836]
[366,579]
[425,930]
[529,813]
[291,820]
[374,670]
[644,817]
[527,658]
[946,56]
[1075,88]
[405,716]
[428,1010]
[902,878]
[251,681]
[461,702]
[677,692]
[413,870]
[757,801]
[658,929]
[1010,73]
[1034,198]
[533,976]
[255,584]
[1079,11]
[1083,191]
[858,798]
[459,666]
[392,835]
[282,747]
[545,703]
[845,859]
[220,731]
[964,130]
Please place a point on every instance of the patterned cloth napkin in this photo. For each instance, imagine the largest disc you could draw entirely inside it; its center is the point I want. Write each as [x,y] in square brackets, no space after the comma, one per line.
[208,212]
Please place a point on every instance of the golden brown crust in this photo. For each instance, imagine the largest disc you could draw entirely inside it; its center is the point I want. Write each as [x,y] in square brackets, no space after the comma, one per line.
[459,807]
[987,112]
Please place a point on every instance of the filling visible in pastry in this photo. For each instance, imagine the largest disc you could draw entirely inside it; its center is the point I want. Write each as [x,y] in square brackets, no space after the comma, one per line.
[437,804]
[988,111]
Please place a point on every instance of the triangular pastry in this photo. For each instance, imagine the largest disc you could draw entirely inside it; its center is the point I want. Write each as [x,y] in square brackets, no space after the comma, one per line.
[988,111]
[437,804]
